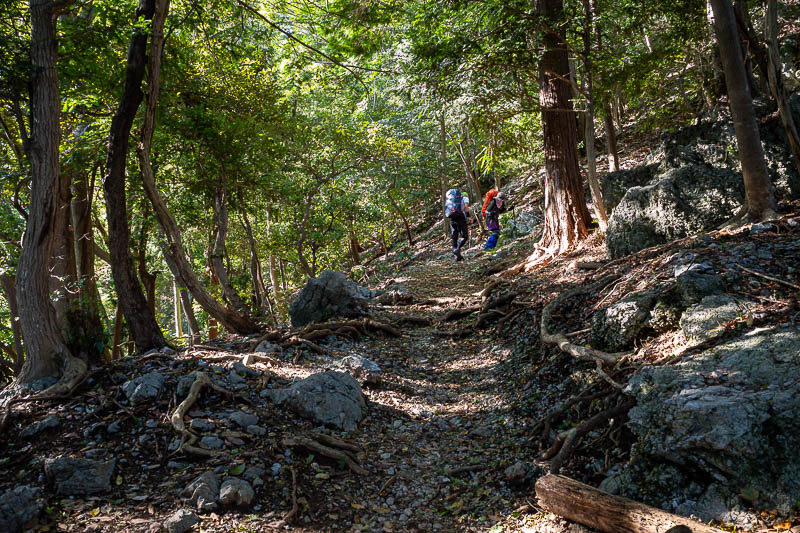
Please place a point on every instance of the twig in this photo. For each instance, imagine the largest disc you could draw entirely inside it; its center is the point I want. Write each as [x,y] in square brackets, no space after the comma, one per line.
[385,485]
[771,278]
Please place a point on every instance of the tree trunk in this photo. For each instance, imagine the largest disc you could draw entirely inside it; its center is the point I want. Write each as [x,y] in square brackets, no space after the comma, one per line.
[775,75]
[176,308]
[443,172]
[84,244]
[740,14]
[116,340]
[399,212]
[587,505]
[63,272]
[608,121]
[188,312]
[255,266]
[148,279]
[47,353]
[233,320]
[760,201]
[273,274]
[598,205]
[7,282]
[221,208]
[566,214]
[142,324]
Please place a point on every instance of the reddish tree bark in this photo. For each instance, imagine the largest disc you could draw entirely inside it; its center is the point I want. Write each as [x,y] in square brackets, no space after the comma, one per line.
[566,214]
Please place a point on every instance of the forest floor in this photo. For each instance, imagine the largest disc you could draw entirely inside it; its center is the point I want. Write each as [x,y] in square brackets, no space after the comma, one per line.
[451,436]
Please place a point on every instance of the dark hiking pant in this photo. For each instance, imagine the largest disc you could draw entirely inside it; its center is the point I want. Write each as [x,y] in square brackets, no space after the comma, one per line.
[458,227]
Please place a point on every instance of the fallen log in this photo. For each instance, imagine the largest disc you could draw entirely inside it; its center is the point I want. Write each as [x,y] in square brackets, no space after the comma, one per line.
[605,512]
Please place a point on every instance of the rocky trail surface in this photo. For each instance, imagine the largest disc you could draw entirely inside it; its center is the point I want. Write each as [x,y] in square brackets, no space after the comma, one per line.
[435,413]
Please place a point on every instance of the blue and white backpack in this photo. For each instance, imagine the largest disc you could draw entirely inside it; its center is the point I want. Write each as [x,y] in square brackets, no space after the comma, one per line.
[454,202]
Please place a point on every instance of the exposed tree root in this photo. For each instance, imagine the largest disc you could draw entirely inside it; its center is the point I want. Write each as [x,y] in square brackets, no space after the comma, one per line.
[579,352]
[413,320]
[289,517]
[352,329]
[455,314]
[566,441]
[457,334]
[188,439]
[500,301]
[349,459]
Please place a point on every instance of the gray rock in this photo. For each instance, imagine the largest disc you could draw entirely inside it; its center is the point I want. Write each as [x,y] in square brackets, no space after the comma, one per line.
[144,388]
[516,473]
[243,370]
[79,477]
[181,521]
[185,383]
[243,418]
[719,422]
[212,443]
[256,430]
[361,368]
[616,184]
[253,472]
[692,286]
[235,379]
[18,506]
[683,202]
[40,425]
[268,347]
[702,321]
[198,424]
[329,296]
[395,296]
[235,491]
[202,492]
[114,427]
[617,326]
[330,398]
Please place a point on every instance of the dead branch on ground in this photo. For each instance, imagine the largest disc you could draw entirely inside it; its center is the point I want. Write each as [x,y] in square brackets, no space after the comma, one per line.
[349,459]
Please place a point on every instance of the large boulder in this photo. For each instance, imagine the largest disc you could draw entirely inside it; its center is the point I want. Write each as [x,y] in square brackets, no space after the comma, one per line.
[330,398]
[684,202]
[718,429]
[616,184]
[331,295]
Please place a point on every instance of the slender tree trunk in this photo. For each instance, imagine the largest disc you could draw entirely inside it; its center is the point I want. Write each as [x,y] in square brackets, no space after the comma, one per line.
[608,120]
[255,276]
[566,214]
[141,322]
[83,236]
[282,266]
[740,13]
[7,282]
[116,340]
[148,279]
[775,75]
[176,307]
[760,201]
[402,217]
[219,252]
[598,205]
[443,171]
[188,312]
[47,353]
[232,320]
[273,275]
[63,271]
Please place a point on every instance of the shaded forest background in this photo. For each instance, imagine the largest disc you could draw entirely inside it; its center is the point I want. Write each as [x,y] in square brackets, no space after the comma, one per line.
[196,189]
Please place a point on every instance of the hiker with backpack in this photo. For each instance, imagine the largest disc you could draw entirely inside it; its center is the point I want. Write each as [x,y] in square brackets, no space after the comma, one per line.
[493,205]
[456,208]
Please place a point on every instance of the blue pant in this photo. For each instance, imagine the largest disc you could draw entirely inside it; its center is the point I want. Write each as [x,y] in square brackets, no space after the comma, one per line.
[492,241]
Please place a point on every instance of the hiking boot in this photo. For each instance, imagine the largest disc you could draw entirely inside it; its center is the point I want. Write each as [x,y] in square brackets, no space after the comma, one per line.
[458,255]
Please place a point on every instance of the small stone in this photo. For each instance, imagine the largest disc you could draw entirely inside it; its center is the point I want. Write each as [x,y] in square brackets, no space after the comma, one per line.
[212,443]
[235,379]
[144,388]
[202,492]
[114,427]
[243,419]
[256,430]
[181,521]
[198,424]
[235,491]
[516,473]
[40,425]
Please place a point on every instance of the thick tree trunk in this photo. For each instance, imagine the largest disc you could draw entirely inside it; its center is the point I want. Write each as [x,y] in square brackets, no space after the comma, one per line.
[598,205]
[148,279]
[218,253]
[586,505]
[760,201]
[141,322]
[232,320]
[47,353]
[63,271]
[566,214]
[775,75]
